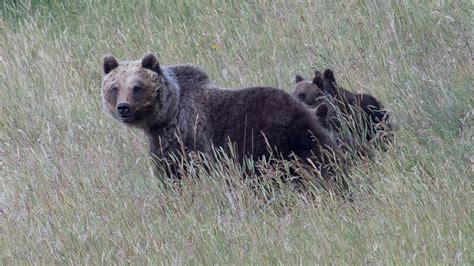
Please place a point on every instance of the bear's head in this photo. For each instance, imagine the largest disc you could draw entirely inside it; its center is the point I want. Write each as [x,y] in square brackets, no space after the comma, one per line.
[328,83]
[309,92]
[136,92]
[317,95]
[326,113]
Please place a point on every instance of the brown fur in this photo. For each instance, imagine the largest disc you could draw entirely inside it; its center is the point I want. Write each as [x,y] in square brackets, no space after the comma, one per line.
[324,89]
[181,111]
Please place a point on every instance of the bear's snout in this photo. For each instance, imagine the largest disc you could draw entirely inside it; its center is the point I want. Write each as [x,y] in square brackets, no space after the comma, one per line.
[124,110]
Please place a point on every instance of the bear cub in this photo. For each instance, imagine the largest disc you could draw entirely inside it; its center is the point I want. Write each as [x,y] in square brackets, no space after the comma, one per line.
[363,114]
[181,111]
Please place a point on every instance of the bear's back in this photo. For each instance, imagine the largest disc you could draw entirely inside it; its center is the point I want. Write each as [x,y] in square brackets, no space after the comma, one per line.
[189,78]
[256,116]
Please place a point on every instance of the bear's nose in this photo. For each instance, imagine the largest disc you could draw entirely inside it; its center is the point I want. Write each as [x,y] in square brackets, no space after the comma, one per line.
[123,109]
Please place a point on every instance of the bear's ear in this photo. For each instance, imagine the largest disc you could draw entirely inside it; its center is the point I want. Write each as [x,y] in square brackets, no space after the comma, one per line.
[150,62]
[318,79]
[322,111]
[110,63]
[298,78]
[329,75]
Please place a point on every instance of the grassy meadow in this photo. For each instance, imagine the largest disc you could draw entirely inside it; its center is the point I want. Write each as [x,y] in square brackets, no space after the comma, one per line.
[76,187]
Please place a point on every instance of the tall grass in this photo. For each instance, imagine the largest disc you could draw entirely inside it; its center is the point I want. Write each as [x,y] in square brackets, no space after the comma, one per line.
[76,187]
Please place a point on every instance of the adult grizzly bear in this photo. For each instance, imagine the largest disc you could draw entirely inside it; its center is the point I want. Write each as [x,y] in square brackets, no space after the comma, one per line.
[181,111]
[364,111]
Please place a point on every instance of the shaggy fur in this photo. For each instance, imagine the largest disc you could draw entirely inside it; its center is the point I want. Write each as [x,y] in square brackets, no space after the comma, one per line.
[181,111]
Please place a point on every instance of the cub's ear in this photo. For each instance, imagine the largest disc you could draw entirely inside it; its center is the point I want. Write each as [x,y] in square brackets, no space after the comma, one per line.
[318,79]
[150,62]
[329,75]
[298,78]
[110,63]
[322,111]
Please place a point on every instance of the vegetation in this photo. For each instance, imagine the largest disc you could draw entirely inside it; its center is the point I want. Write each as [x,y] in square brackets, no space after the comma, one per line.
[76,187]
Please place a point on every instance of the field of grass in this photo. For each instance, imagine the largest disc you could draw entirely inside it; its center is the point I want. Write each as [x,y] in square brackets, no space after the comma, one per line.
[77,187]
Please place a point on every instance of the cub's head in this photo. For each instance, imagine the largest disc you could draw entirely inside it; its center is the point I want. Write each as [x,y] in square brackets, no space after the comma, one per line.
[309,92]
[317,95]
[135,92]
[328,83]
[326,113]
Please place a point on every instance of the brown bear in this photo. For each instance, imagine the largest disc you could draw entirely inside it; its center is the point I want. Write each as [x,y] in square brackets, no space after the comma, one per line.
[366,113]
[181,111]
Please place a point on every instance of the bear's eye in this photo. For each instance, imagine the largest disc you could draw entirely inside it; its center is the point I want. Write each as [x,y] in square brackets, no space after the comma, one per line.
[137,91]
[114,90]
[302,96]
